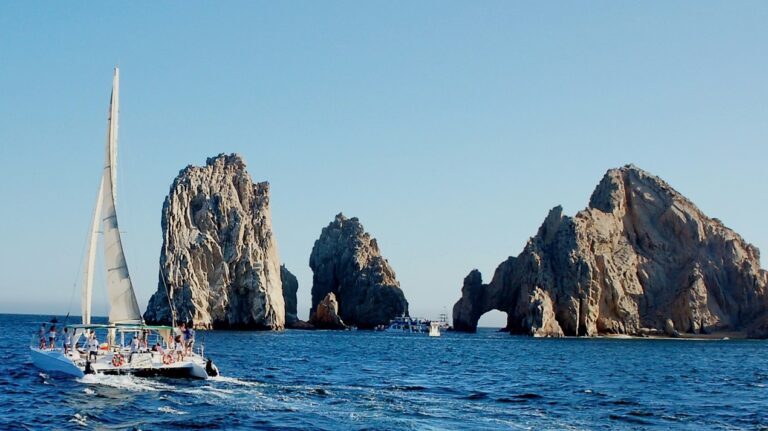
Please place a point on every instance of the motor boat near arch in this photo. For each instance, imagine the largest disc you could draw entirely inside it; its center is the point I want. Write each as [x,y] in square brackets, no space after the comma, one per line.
[416,325]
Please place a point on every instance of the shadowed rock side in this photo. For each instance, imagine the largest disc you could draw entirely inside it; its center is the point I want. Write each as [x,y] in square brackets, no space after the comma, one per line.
[641,259]
[219,255]
[347,262]
[290,287]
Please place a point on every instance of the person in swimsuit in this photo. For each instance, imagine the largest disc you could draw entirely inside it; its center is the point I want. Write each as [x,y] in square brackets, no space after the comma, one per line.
[179,348]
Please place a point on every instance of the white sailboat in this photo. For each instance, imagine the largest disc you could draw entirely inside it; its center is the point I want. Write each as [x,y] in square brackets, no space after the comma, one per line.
[113,356]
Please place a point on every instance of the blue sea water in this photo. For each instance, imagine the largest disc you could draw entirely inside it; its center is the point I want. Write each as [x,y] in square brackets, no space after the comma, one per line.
[326,380]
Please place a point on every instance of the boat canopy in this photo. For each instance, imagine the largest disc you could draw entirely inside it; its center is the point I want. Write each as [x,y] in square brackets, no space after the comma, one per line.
[91,326]
[121,326]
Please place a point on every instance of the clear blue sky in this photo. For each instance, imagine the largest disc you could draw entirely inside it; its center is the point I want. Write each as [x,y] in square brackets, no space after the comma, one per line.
[448,128]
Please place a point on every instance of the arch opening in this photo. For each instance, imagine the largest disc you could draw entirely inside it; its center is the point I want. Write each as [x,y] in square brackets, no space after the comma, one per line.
[493,319]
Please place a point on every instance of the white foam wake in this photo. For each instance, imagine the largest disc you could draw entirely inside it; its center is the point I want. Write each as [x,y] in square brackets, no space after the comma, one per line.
[233,381]
[126,382]
[171,410]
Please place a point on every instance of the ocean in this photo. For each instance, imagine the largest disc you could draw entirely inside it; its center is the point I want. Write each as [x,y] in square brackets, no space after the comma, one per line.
[326,380]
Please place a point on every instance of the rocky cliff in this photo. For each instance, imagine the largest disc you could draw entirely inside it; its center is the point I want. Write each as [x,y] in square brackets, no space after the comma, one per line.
[290,287]
[219,257]
[346,261]
[640,259]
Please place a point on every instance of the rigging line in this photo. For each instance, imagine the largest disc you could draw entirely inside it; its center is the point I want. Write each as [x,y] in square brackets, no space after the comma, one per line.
[168,296]
[79,270]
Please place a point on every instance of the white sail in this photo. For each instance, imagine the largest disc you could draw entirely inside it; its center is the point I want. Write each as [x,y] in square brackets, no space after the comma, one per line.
[122,300]
[90,262]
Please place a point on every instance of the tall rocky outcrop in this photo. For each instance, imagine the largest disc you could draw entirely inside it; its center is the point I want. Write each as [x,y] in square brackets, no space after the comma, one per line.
[290,287]
[640,259]
[346,261]
[219,256]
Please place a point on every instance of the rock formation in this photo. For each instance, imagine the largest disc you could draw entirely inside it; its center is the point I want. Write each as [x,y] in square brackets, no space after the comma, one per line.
[346,261]
[290,287]
[326,314]
[219,256]
[640,259]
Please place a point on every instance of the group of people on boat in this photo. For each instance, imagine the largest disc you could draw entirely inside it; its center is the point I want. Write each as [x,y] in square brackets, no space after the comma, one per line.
[179,345]
[49,335]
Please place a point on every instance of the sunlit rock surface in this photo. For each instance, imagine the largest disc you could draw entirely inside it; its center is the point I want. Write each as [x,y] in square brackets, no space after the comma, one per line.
[219,257]
[640,259]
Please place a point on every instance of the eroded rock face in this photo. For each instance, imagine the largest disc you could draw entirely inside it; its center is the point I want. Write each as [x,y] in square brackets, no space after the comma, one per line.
[346,261]
[640,259]
[290,287]
[326,314]
[219,256]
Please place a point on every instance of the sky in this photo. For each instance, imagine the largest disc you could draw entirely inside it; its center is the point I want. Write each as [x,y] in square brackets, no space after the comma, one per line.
[449,128]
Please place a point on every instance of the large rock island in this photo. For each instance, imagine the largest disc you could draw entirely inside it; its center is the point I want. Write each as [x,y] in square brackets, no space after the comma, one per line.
[219,259]
[641,259]
[349,274]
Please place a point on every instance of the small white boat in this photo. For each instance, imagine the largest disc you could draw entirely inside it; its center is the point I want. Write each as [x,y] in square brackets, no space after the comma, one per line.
[434,329]
[113,356]
[408,324]
[415,325]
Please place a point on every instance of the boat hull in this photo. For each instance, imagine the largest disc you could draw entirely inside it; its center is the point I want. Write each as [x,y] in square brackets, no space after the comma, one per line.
[193,371]
[54,361]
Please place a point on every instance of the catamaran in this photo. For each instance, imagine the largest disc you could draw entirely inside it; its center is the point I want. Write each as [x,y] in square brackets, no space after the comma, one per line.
[153,350]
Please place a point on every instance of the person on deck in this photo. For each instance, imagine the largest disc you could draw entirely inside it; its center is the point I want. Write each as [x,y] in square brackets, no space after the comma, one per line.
[183,333]
[93,347]
[158,348]
[42,333]
[134,348]
[67,340]
[52,337]
[144,340]
[190,339]
[179,348]
[178,330]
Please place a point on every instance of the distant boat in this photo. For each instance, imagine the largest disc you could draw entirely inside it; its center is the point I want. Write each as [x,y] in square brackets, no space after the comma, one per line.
[164,358]
[412,325]
[443,322]
[407,324]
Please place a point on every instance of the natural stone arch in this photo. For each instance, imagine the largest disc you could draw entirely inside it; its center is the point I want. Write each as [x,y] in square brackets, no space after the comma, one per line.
[494,318]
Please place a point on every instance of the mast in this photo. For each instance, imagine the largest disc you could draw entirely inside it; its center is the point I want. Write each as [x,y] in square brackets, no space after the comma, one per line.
[122,300]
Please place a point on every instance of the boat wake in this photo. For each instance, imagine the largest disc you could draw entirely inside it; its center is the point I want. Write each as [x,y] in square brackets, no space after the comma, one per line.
[234,381]
[126,382]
